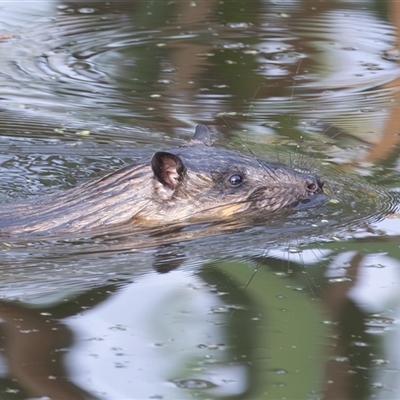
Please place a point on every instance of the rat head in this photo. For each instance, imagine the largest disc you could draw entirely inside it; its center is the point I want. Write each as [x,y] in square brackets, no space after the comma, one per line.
[199,181]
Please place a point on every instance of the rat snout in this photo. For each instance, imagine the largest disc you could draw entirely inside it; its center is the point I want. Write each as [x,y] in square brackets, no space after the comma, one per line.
[314,184]
[315,193]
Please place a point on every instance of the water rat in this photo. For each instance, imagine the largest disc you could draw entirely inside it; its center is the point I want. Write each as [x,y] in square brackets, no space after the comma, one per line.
[192,183]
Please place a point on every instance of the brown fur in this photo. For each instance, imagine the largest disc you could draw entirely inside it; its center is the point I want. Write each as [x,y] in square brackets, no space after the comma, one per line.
[191,183]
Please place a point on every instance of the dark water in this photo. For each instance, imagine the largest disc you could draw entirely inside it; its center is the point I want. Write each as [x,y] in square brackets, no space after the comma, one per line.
[303,310]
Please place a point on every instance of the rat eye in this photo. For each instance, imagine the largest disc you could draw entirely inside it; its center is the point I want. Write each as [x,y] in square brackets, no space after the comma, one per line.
[235,180]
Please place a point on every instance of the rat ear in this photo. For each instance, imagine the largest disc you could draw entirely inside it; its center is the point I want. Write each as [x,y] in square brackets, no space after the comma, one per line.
[168,169]
[202,135]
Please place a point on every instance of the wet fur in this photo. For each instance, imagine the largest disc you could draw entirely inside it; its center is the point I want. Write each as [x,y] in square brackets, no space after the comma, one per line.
[189,183]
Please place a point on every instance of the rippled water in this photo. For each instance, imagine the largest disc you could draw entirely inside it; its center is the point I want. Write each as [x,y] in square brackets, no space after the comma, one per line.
[299,308]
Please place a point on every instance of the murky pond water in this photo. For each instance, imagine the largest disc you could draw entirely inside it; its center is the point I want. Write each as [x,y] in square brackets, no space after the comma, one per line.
[300,308]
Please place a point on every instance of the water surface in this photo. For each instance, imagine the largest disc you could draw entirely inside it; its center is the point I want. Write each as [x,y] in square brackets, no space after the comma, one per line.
[303,309]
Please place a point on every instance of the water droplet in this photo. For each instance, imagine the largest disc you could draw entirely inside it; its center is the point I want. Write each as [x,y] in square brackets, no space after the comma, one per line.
[340,279]
[282,274]
[360,344]
[10,390]
[83,133]
[281,371]
[168,70]
[118,328]
[166,81]
[211,346]
[238,45]
[379,361]
[238,25]
[341,359]
[328,322]
[251,51]
[375,266]
[86,10]
[193,384]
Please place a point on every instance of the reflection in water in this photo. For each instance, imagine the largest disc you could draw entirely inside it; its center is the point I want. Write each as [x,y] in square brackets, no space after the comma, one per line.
[34,347]
[390,133]
[157,349]
[179,344]
[363,299]
[86,87]
[200,333]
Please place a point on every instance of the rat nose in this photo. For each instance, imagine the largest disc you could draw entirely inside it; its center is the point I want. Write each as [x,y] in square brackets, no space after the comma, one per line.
[314,184]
